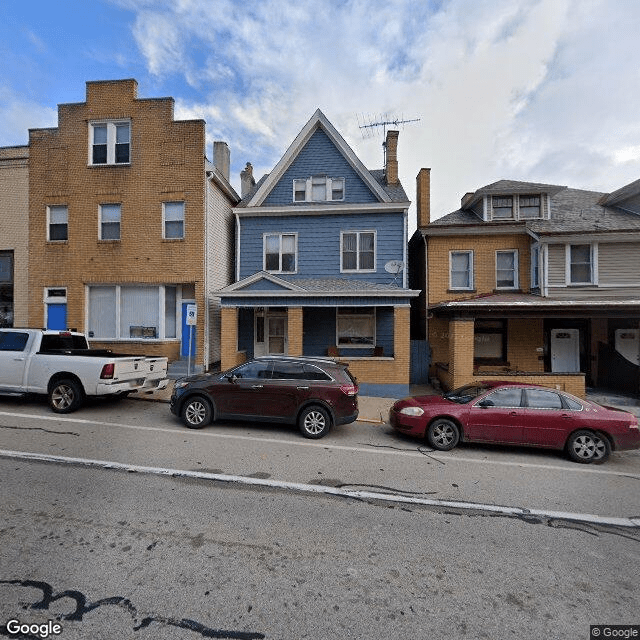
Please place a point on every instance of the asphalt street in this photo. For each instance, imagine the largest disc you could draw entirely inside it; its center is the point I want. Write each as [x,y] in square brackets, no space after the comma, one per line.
[123,528]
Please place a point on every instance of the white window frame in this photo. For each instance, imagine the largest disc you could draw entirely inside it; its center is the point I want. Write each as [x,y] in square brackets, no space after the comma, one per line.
[593,257]
[375,251]
[471,270]
[516,274]
[535,266]
[493,207]
[328,190]
[56,206]
[111,142]
[164,219]
[368,314]
[161,312]
[279,234]
[100,222]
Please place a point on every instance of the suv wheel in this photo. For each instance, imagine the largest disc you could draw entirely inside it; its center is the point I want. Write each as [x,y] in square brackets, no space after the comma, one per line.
[314,422]
[196,412]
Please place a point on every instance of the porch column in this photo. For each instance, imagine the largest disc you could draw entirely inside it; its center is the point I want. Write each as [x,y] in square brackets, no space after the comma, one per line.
[401,343]
[294,329]
[228,337]
[461,347]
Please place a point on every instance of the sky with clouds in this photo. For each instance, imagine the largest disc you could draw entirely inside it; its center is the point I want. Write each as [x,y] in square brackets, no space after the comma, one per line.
[535,90]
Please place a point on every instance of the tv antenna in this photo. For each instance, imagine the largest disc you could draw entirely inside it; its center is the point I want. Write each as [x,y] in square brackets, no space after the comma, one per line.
[370,125]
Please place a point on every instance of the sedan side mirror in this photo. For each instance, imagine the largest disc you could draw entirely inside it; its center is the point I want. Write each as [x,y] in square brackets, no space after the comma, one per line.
[485,403]
[232,378]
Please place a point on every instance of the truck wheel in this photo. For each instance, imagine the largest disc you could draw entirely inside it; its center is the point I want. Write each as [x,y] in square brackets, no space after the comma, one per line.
[65,396]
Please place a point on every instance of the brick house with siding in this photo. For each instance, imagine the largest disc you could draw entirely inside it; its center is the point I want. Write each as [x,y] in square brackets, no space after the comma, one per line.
[14,236]
[129,222]
[320,254]
[534,282]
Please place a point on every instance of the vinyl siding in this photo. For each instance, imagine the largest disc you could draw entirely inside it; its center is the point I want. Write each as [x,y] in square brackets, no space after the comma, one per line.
[319,157]
[557,265]
[319,243]
[619,263]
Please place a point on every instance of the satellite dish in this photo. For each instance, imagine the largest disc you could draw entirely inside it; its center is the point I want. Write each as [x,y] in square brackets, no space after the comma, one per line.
[394,266]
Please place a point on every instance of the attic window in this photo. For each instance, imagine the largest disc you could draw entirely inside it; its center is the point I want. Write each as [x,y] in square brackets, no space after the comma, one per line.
[529,206]
[318,189]
[502,207]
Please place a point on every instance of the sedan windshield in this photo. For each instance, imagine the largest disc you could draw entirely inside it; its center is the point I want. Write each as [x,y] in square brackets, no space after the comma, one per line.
[465,394]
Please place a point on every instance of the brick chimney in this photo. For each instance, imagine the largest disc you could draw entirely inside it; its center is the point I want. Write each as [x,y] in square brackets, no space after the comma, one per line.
[391,168]
[222,158]
[423,197]
[247,181]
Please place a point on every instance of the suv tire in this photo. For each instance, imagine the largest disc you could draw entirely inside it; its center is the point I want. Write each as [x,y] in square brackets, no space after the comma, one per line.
[314,422]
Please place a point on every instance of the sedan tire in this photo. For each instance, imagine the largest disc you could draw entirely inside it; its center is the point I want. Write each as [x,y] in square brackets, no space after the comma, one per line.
[443,434]
[196,412]
[314,422]
[587,446]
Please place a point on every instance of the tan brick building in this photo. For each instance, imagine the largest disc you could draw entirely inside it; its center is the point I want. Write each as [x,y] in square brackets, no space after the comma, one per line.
[14,236]
[129,223]
[532,282]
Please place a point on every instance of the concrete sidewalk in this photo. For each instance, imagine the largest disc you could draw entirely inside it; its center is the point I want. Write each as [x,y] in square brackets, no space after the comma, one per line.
[374,410]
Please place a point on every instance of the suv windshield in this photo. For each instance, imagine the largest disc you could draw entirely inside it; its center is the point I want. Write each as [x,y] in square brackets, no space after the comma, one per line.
[465,394]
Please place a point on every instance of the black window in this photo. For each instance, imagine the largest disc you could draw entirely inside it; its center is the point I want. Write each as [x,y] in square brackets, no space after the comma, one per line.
[314,373]
[287,371]
[254,370]
[504,398]
[12,341]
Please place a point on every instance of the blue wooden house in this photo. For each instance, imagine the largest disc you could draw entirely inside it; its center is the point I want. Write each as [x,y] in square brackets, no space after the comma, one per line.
[321,249]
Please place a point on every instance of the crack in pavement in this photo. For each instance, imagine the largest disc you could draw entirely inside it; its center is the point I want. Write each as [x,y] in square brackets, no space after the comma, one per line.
[62,433]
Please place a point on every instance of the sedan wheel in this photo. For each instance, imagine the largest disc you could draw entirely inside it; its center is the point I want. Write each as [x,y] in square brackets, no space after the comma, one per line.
[314,422]
[587,446]
[443,434]
[196,413]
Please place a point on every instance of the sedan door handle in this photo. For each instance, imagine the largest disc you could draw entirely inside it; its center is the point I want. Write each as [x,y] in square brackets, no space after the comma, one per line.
[256,386]
[302,387]
[513,413]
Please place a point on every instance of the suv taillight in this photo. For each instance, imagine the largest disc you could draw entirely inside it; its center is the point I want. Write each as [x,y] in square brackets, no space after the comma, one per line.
[107,371]
[349,389]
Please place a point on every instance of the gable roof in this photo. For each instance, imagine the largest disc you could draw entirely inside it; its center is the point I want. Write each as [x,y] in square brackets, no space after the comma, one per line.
[318,120]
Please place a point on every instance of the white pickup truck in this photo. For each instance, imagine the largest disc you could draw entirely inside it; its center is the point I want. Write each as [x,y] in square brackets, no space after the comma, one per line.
[61,365]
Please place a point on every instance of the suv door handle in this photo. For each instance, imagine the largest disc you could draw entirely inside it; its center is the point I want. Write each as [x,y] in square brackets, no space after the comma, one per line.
[256,386]
[302,387]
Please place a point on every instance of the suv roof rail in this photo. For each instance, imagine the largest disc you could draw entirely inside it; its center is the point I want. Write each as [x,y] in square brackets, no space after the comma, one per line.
[298,358]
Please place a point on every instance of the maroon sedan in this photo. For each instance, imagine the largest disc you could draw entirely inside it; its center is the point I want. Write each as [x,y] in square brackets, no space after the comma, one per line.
[518,414]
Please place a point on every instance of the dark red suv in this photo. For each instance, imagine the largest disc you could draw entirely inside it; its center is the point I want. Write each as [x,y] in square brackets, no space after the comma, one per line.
[314,393]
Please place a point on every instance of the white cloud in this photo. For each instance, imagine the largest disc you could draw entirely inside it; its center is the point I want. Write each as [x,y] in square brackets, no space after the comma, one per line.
[524,89]
[18,115]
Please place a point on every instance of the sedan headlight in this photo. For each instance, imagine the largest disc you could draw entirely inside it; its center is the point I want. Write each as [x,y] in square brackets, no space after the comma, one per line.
[180,384]
[412,411]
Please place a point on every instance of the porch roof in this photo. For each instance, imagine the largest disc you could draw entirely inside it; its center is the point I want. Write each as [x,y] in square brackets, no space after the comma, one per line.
[263,286]
[522,304]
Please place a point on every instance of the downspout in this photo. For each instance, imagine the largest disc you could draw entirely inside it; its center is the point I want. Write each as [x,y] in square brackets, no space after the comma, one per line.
[426,289]
[207,258]
[405,224]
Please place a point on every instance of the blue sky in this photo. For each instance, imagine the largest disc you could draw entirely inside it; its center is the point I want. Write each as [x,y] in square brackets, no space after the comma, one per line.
[539,90]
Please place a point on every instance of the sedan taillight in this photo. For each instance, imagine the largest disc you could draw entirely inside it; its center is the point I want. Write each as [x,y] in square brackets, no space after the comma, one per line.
[107,371]
[349,389]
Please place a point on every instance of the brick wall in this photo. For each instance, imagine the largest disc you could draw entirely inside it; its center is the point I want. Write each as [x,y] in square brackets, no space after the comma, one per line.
[167,164]
[484,260]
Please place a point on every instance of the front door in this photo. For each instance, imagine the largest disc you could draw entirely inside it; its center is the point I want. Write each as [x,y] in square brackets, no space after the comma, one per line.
[13,359]
[270,333]
[497,417]
[565,350]
[628,344]
[57,316]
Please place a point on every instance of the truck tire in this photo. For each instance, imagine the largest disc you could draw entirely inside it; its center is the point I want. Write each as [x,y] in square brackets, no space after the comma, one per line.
[65,395]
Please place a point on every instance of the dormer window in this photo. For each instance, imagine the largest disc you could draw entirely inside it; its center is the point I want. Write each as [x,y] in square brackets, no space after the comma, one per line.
[502,207]
[529,206]
[318,189]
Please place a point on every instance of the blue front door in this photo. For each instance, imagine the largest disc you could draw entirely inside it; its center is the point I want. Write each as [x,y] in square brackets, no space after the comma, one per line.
[186,330]
[57,316]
